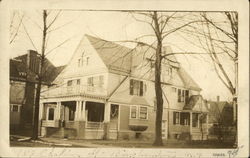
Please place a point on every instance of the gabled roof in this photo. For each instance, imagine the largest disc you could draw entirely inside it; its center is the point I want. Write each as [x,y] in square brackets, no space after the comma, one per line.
[191,102]
[119,58]
[116,57]
[187,79]
[220,111]
[196,103]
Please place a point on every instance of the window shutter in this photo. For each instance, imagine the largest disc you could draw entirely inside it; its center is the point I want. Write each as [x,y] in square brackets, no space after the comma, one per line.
[131,86]
[179,95]
[141,88]
[186,96]
[182,118]
[174,118]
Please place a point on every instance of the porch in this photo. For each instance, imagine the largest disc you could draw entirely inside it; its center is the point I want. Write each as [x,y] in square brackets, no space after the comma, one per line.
[189,125]
[82,119]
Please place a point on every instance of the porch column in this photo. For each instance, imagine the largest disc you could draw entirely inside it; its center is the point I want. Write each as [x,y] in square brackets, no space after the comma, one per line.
[58,111]
[191,124]
[83,105]
[106,120]
[77,111]
[107,112]
[198,121]
[80,123]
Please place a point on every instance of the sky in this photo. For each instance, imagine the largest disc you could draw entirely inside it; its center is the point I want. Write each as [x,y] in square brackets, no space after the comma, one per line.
[113,26]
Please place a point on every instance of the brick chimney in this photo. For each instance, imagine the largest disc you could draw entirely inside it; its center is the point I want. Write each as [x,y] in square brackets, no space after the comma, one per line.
[32,61]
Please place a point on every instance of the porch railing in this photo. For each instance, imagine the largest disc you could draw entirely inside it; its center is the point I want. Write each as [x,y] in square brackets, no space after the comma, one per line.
[94,125]
[46,123]
[74,90]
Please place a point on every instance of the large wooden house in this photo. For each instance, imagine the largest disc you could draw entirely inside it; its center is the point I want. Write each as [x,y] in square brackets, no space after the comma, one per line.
[107,92]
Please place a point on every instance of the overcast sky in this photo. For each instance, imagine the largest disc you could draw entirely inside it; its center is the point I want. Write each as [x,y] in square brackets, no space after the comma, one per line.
[114,26]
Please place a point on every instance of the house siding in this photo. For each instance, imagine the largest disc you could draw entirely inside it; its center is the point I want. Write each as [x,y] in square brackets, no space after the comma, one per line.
[117,91]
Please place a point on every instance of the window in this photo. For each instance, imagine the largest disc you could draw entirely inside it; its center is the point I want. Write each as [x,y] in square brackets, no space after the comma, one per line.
[78,81]
[182,95]
[72,110]
[176,118]
[136,87]
[69,83]
[173,89]
[184,118]
[96,81]
[143,112]
[90,81]
[51,114]
[14,108]
[195,119]
[133,110]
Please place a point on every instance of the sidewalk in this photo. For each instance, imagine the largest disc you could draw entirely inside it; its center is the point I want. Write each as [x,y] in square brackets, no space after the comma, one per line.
[79,143]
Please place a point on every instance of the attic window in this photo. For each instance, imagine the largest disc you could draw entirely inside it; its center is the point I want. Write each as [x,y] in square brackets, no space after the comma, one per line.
[170,71]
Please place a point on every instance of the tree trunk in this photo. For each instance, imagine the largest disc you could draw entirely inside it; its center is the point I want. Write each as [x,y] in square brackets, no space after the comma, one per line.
[40,79]
[158,88]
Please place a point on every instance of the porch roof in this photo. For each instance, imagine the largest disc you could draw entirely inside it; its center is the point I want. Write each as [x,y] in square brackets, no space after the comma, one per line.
[136,100]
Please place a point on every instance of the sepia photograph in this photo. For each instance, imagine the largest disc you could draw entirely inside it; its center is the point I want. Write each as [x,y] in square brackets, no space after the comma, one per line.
[144,79]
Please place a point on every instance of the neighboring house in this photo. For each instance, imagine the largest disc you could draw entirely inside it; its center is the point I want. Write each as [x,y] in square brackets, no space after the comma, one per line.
[107,92]
[220,115]
[23,80]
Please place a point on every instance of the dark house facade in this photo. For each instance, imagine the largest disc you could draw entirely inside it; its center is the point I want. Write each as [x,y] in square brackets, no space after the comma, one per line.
[23,81]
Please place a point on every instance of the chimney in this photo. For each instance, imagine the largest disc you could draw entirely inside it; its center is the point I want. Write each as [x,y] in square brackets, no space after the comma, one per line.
[31,60]
[218,98]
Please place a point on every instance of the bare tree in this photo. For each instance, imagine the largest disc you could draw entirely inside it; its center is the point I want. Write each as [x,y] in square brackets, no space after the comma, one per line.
[44,69]
[219,33]
[159,22]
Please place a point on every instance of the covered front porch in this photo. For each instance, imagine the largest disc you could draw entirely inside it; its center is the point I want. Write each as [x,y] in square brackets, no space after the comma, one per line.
[76,118]
[188,124]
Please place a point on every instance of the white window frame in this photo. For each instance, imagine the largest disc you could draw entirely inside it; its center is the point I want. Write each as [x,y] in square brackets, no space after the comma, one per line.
[140,113]
[136,110]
